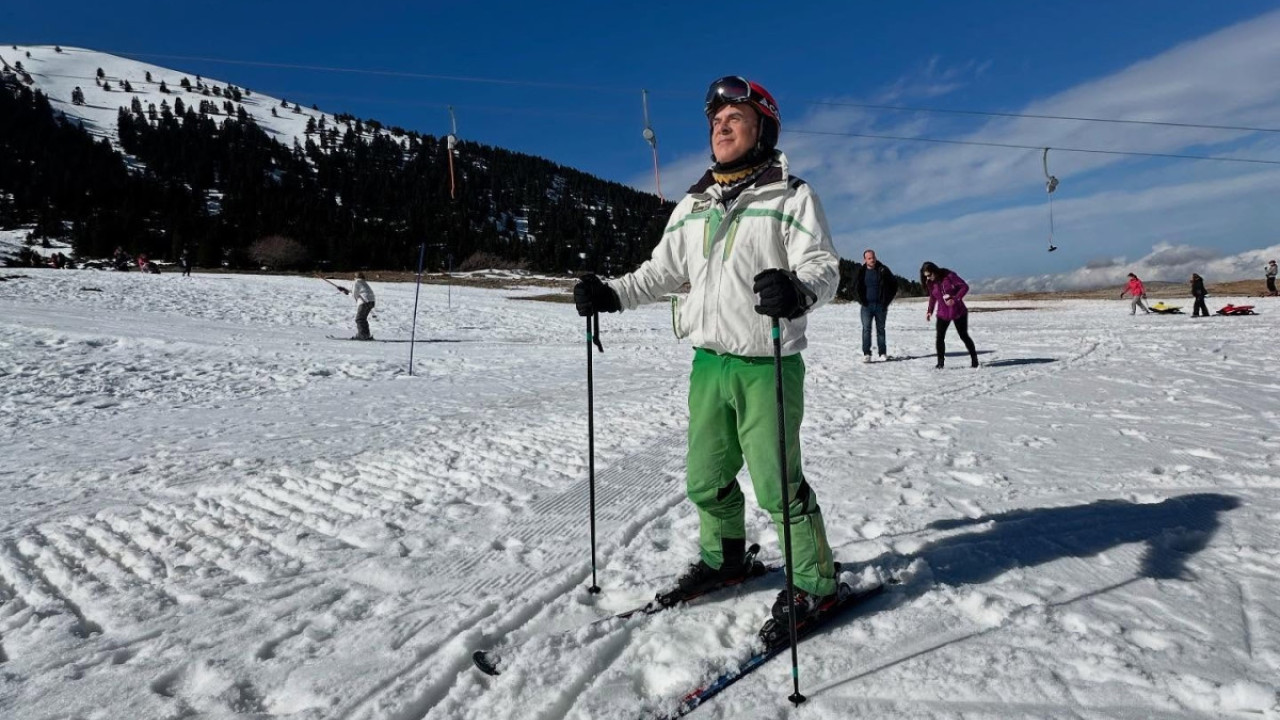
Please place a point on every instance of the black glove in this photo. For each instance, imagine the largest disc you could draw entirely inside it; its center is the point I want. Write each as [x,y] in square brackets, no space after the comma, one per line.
[592,296]
[782,295]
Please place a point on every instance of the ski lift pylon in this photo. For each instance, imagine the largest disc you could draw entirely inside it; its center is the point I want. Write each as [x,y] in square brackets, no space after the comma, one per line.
[652,138]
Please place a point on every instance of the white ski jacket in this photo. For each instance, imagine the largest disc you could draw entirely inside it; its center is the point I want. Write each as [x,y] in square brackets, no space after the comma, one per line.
[362,292]
[776,222]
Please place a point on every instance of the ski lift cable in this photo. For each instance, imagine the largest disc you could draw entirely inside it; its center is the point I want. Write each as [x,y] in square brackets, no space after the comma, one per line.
[1034,116]
[383,73]
[617,88]
[1017,146]
[497,81]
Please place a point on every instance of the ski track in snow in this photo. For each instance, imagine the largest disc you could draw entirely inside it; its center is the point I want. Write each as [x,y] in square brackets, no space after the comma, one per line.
[216,511]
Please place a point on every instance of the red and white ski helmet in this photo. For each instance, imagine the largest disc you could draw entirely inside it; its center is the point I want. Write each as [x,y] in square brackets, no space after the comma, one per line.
[734,90]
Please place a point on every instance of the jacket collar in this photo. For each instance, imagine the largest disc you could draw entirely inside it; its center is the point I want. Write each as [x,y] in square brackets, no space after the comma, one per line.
[778,171]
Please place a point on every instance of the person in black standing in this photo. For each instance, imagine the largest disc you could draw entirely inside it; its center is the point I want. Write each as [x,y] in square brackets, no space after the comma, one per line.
[1197,289]
[874,287]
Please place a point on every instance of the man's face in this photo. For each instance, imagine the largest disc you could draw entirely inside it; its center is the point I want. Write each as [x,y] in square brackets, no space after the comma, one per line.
[869,259]
[734,129]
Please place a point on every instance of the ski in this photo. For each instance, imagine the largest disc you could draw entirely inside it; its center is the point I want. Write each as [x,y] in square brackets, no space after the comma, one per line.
[490,661]
[782,642]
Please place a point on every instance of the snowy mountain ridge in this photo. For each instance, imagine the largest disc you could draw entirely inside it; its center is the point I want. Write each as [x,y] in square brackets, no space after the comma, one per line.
[57,71]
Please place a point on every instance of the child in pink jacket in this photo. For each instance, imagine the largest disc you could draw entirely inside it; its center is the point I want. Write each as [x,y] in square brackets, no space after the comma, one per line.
[1137,292]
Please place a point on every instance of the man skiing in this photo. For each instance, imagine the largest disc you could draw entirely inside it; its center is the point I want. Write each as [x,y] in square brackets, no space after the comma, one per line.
[874,287]
[752,242]
[363,295]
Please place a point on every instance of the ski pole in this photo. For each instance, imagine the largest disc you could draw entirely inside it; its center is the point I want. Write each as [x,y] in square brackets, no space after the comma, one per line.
[341,289]
[796,698]
[593,336]
[413,328]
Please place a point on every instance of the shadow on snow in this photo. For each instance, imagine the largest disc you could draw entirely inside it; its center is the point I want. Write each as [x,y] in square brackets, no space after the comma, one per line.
[1173,531]
[1020,361]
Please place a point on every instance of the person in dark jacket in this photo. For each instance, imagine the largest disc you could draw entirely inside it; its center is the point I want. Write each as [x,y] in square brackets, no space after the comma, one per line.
[946,294]
[1197,289]
[874,287]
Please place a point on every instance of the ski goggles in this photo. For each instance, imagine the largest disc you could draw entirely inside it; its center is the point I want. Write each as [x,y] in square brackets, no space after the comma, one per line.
[734,89]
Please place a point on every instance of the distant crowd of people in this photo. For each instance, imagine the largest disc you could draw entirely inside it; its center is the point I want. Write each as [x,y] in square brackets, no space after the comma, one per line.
[1137,293]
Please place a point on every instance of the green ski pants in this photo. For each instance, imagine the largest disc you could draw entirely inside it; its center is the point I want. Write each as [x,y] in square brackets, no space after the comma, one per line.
[733,415]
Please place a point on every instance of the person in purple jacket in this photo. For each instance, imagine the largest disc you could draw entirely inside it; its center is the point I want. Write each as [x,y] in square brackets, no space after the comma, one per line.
[946,294]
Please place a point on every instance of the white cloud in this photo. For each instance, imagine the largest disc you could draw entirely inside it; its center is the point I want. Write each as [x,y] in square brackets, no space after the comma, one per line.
[1165,262]
[984,208]
[1090,229]
[932,80]
[1226,78]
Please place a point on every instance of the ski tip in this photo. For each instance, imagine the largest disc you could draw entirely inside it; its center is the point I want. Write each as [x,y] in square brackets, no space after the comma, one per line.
[487,662]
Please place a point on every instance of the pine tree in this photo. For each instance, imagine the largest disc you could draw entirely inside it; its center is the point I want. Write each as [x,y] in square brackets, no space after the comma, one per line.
[185,83]
[178,107]
[164,88]
[148,76]
[127,86]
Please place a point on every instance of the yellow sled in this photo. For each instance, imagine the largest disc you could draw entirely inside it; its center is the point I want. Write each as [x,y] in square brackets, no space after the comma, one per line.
[1163,309]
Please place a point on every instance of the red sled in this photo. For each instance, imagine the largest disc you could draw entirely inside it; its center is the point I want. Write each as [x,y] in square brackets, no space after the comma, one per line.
[1237,310]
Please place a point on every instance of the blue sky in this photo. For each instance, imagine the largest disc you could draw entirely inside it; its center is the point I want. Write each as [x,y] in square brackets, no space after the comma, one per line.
[563,81]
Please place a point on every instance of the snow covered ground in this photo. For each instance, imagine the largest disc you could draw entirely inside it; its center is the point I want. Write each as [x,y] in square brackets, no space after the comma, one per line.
[210,509]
